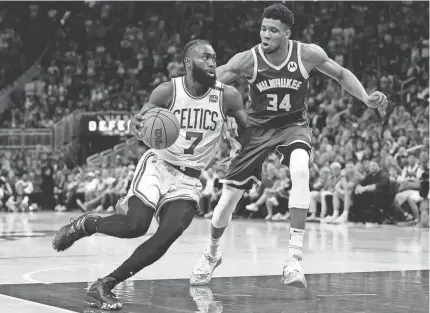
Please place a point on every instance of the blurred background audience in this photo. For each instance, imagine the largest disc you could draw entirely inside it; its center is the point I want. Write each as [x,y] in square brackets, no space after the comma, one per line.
[366,167]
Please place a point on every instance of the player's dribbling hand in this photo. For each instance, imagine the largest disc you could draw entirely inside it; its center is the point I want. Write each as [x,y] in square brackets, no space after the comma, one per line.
[136,124]
[377,100]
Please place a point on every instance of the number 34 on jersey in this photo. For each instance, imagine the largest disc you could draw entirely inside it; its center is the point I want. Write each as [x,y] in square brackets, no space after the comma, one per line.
[276,104]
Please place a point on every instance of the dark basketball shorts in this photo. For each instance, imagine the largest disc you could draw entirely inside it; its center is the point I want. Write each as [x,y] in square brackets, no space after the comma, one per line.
[257,143]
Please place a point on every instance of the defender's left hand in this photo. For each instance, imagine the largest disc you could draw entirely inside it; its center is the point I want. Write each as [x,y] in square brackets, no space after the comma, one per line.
[232,126]
[377,100]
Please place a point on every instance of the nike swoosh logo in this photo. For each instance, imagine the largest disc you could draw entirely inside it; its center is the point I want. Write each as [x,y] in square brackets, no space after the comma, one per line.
[262,69]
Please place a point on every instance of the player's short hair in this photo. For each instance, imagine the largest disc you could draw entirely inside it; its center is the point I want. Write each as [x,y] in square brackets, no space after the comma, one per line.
[190,45]
[281,13]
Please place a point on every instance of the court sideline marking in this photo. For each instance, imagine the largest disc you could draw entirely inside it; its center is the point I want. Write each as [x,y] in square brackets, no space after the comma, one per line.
[36,304]
[28,276]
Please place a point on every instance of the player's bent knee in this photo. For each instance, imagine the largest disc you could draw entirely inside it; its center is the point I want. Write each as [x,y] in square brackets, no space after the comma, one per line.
[299,165]
[227,203]
[139,228]
[141,216]
[300,195]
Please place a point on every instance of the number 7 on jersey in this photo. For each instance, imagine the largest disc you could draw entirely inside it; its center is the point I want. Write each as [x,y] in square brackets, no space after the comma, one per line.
[274,105]
[190,135]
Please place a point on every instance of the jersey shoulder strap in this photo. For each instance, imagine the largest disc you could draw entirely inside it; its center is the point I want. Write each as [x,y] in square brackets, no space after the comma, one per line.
[254,52]
[302,68]
[220,87]
[172,102]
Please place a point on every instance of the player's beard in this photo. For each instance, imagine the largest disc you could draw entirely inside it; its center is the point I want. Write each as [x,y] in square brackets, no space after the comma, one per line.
[202,77]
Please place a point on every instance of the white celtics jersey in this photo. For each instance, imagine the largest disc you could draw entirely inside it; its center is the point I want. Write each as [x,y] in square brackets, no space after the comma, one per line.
[201,120]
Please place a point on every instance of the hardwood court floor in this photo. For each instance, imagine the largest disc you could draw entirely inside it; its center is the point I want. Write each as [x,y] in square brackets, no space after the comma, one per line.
[351,268]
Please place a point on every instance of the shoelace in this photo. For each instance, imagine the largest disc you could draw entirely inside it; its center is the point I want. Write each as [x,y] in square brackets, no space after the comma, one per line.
[204,264]
[201,266]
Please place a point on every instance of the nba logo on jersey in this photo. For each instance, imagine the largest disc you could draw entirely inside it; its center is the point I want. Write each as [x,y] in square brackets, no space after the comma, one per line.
[292,67]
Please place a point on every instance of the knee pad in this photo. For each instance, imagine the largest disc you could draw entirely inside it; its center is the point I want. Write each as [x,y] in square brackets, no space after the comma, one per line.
[227,203]
[299,172]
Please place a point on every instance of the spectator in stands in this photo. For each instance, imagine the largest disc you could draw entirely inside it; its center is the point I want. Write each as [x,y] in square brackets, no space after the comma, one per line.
[6,190]
[279,195]
[408,190]
[47,187]
[372,198]
[105,199]
[424,192]
[328,192]
[320,184]
[60,178]
[23,190]
[343,192]
[269,178]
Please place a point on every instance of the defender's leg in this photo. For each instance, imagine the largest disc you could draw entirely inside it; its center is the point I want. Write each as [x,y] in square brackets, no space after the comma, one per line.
[243,171]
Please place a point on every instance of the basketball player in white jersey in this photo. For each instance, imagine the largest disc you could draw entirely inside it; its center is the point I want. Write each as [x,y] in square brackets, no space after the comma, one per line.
[278,70]
[166,182]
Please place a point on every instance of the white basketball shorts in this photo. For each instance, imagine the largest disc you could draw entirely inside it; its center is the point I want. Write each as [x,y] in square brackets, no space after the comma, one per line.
[156,182]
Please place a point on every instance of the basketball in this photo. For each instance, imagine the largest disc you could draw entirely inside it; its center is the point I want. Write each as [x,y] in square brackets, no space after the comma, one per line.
[160,129]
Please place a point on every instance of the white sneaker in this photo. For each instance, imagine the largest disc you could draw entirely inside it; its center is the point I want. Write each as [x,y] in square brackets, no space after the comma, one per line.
[62,209]
[292,274]
[277,217]
[269,217]
[331,218]
[326,219]
[342,219]
[252,207]
[202,273]
[285,217]
[312,218]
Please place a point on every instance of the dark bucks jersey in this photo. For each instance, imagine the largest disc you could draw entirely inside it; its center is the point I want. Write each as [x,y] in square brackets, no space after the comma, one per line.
[278,93]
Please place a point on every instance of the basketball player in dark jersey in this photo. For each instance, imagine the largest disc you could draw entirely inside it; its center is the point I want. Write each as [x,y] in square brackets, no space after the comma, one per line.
[278,71]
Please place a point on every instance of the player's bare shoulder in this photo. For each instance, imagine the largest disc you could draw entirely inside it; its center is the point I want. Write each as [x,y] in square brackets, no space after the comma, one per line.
[163,94]
[312,55]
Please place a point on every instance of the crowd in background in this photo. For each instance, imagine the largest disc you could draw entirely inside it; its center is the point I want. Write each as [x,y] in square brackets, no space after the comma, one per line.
[366,167]
[53,184]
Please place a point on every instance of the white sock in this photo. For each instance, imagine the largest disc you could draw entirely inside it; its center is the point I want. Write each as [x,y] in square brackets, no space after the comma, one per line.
[213,250]
[296,242]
